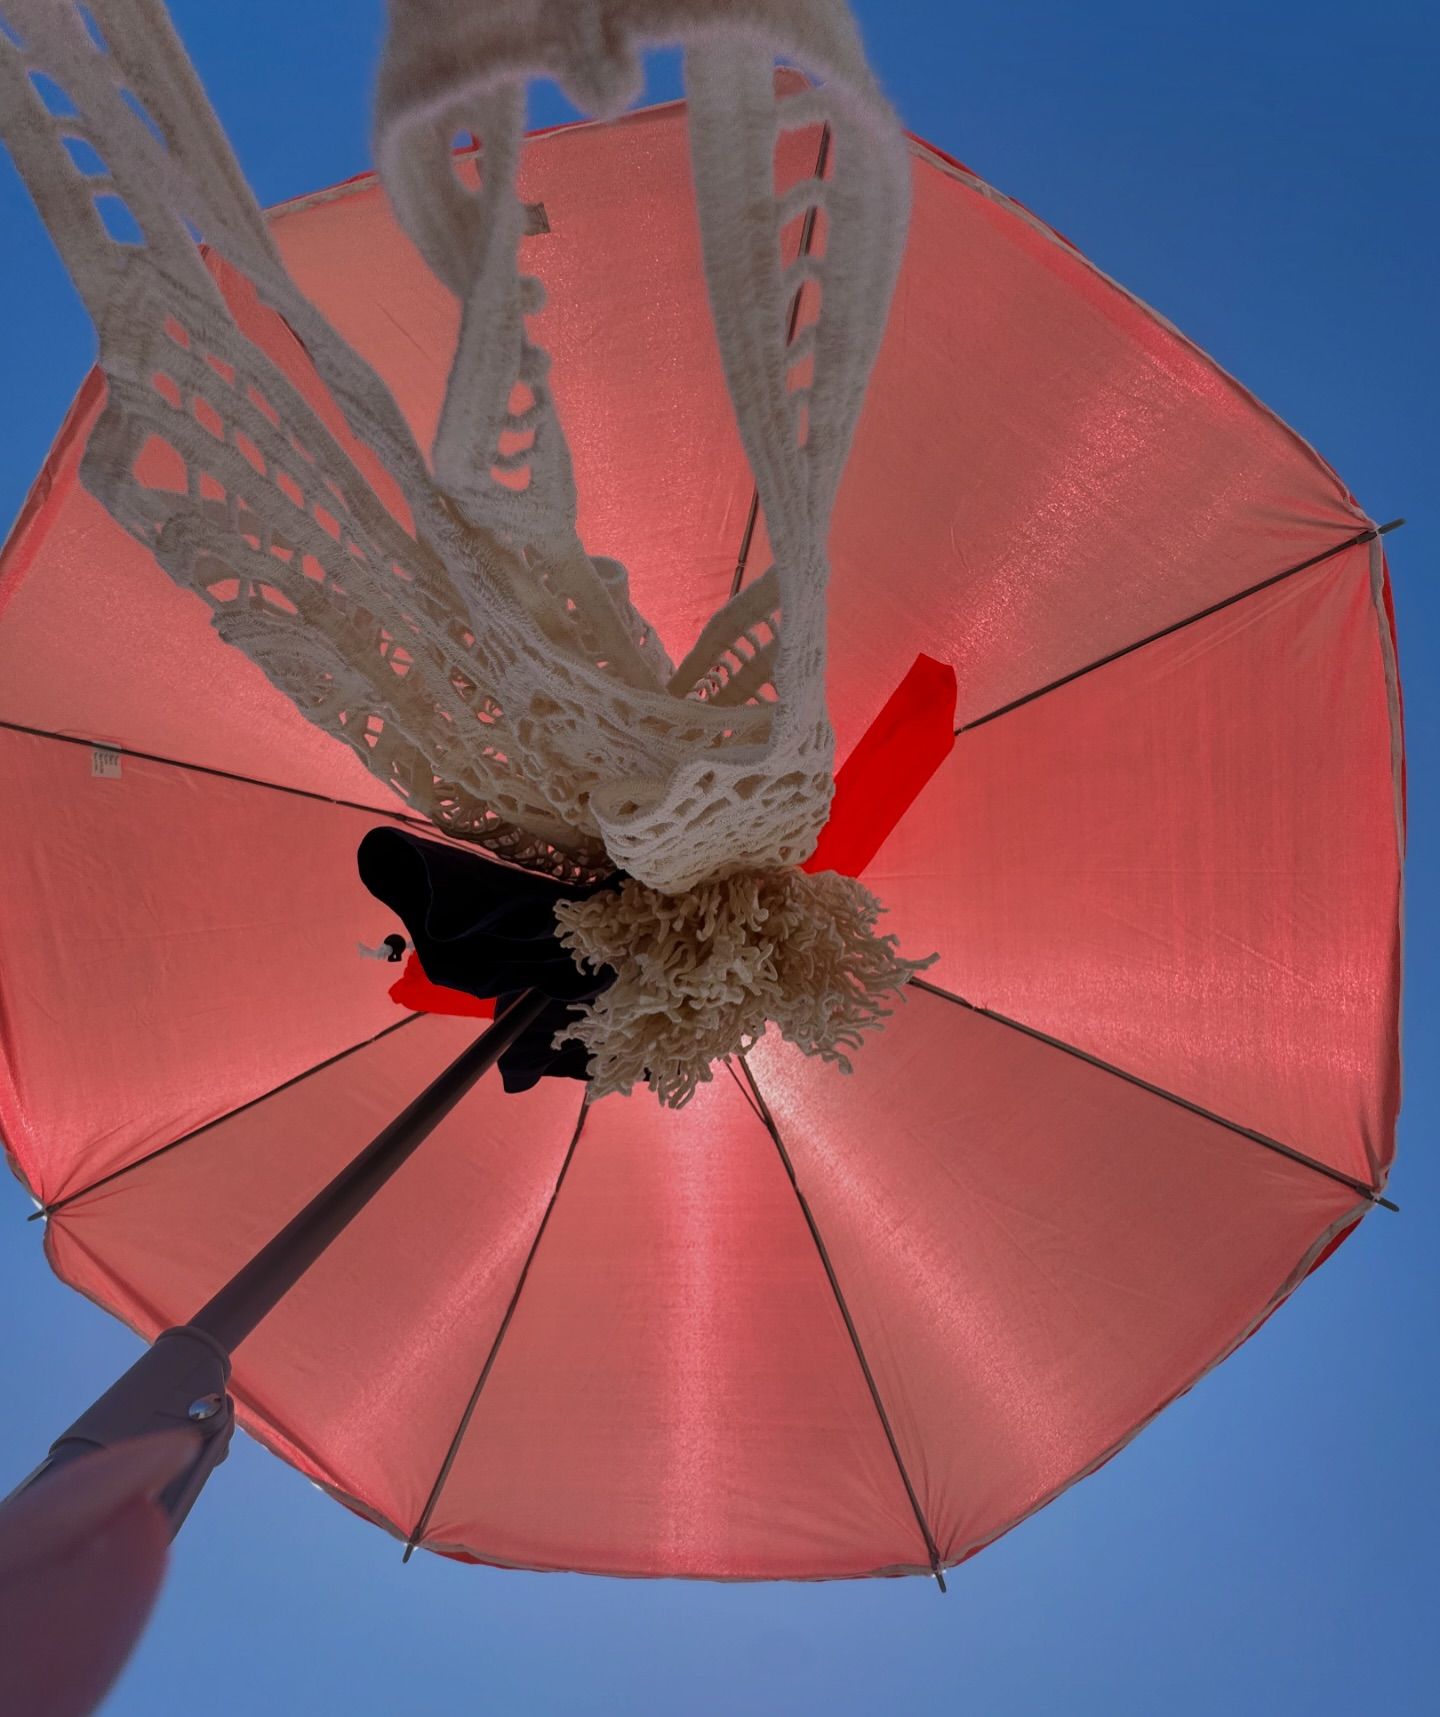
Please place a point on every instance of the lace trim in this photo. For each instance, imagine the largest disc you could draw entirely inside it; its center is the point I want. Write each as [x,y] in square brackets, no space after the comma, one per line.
[443,618]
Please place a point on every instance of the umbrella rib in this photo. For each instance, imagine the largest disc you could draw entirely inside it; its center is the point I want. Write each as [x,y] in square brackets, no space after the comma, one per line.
[1284,1150]
[219,774]
[744,1091]
[807,240]
[768,1120]
[1364,536]
[229,1115]
[454,1449]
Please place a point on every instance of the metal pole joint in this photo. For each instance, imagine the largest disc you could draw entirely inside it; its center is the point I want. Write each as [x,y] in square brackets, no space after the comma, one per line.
[178,1384]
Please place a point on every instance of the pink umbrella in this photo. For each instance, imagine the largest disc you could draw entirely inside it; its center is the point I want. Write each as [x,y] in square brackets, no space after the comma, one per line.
[808,1326]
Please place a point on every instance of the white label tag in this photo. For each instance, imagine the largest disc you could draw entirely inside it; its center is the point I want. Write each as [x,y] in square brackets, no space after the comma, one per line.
[105,762]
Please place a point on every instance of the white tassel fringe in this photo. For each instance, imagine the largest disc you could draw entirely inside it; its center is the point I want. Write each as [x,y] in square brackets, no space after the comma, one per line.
[699,975]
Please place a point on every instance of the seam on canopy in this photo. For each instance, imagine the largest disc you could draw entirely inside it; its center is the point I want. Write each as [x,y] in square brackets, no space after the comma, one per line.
[1338,1175]
[70,1198]
[221,774]
[768,1120]
[418,1532]
[1370,535]
[744,1091]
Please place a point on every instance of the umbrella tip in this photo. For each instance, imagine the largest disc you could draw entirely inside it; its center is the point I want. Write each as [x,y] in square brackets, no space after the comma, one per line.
[939,1574]
[1384,530]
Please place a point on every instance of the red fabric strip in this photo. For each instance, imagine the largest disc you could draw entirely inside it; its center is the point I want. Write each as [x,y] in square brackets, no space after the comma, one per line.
[415,991]
[886,772]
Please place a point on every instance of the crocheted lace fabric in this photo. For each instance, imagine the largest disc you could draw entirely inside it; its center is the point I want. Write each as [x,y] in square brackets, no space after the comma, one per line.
[456,633]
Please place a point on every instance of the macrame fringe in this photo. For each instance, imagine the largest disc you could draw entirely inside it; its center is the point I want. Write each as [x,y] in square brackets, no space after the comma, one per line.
[699,975]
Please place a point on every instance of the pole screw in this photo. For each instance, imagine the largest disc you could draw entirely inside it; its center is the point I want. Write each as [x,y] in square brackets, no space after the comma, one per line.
[205,1408]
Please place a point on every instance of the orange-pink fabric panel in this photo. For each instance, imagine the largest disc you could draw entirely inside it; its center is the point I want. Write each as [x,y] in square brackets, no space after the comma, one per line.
[1037,1255]
[1045,471]
[663,482]
[677,1393]
[1187,863]
[361,1374]
[96,641]
[172,945]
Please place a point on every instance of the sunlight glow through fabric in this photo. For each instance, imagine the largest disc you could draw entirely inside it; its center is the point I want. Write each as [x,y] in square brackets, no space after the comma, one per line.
[808,1326]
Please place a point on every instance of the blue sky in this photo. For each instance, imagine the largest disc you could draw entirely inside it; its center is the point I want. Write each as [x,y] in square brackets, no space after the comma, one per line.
[1264,176]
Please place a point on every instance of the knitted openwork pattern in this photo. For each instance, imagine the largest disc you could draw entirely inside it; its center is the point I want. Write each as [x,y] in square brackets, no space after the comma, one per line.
[439,614]
[699,975]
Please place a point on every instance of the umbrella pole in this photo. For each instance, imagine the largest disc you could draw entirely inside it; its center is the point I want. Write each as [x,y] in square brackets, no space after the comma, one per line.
[181,1382]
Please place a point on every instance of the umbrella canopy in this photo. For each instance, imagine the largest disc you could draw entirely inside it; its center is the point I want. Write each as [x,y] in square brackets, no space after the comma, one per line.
[808,1326]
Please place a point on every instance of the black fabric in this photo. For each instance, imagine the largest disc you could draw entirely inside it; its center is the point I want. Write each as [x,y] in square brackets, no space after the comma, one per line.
[488,929]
